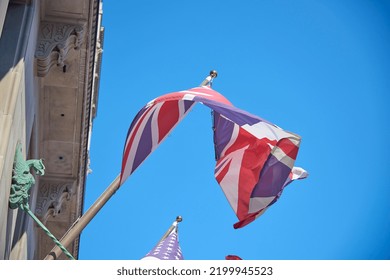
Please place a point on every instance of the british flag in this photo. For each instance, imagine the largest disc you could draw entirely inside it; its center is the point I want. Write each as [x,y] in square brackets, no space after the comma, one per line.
[255,158]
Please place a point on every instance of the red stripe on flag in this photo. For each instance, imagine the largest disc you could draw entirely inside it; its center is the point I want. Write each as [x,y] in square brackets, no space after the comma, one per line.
[168,116]
[288,147]
[246,220]
[255,155]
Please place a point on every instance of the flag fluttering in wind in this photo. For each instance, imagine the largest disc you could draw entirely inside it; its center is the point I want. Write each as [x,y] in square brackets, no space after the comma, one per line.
[168,248]
[255,158]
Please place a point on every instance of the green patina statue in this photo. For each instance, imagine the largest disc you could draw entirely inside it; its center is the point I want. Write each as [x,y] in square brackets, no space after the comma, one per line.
[22,182]
[22,179]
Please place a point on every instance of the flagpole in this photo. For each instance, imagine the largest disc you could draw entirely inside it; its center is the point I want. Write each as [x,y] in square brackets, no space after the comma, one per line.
[83,221]
[209,79]
[171,228]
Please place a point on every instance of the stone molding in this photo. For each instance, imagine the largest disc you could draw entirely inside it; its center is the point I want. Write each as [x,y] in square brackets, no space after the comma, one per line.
[54,42]
[51,196]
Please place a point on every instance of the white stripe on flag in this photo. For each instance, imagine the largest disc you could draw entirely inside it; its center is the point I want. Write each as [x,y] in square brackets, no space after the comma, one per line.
[299,173]
[258,203]
[195,93]
[263,130]
[154,126]
[230,182]
[282,157]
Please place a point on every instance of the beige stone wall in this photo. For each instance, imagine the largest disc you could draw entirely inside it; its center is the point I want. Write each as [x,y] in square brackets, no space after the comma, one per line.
[3,12]
[15,228]
[12,127]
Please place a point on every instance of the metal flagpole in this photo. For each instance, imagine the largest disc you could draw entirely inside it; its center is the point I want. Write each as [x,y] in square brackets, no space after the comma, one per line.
[84,220]
[209,79]
[171,228]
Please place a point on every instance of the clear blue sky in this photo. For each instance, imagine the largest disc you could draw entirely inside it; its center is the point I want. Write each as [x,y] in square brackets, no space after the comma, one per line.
[320,69]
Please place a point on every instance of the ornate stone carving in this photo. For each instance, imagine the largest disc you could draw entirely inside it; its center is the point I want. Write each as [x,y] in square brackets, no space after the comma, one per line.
[54,42]
[51,198]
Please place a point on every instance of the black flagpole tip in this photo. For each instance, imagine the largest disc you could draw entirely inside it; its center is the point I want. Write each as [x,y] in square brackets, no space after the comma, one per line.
[179,219]
[213,73]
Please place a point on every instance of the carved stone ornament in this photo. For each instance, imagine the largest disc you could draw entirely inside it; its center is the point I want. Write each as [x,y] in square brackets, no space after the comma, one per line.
[54,42]
[51,197]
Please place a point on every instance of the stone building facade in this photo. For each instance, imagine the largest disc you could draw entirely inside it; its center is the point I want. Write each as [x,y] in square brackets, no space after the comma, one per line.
[50,58]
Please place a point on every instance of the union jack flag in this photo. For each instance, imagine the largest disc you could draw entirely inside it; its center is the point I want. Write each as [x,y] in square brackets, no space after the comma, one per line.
[255,158]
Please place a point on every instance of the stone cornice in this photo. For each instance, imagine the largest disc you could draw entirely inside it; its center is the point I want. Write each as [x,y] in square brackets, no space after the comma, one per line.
[54,42]
[89,103]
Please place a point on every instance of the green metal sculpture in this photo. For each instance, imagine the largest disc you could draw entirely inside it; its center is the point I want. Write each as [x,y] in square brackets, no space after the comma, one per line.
[22,179]
[22,182]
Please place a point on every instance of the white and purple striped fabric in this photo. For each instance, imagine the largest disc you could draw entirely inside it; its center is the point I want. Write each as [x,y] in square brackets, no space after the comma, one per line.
[166,249]
[255,158]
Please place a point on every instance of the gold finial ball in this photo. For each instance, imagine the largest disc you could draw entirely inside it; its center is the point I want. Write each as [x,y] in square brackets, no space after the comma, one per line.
[179,219]
[213,73]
